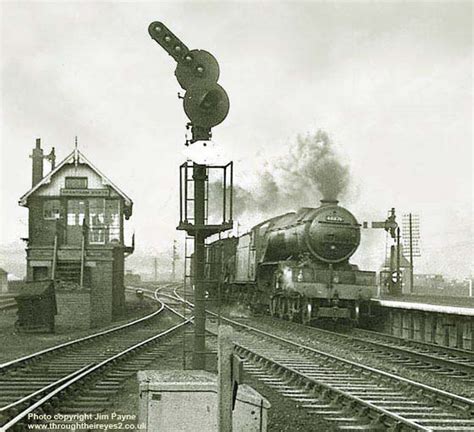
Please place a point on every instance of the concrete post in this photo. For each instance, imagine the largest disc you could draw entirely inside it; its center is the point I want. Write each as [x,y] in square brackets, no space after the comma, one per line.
[225,351]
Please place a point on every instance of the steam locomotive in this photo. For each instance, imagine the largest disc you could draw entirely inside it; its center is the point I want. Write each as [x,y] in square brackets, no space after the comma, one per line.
[296,266]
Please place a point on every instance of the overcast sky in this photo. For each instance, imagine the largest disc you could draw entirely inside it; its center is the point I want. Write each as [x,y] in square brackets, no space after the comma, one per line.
[390,82]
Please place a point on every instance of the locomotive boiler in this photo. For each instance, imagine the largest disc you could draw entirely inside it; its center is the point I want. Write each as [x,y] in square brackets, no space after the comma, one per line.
[296,265]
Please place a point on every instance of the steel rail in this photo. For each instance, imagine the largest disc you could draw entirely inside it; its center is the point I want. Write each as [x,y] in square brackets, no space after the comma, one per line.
[37,404]
[461,399]
[18,361]
[87,372]
[441,348]
[340,393]
[461,402]
[43,389]
[55,383]
[433,359]
[451,364]
[444,393]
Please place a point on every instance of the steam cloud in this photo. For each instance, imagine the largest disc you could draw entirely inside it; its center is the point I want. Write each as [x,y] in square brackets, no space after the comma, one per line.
[309,172]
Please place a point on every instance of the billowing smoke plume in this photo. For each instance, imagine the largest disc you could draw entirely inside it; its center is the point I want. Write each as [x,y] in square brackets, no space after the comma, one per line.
[311,171]
[313,161]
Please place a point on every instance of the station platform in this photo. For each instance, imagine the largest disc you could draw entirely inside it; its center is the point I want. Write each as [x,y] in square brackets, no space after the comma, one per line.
[437,304]
[439,320]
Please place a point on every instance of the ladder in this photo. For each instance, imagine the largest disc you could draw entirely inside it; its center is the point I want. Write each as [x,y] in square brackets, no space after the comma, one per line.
[202,222]
[215,296]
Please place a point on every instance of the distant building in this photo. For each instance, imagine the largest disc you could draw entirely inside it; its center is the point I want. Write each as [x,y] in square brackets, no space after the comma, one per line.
[436,284]
[132,278]
[3,281]
[76,236]
[430,281]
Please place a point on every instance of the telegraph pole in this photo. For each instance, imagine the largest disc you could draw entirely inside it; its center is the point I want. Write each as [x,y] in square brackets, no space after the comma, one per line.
[175,257]
[411,242]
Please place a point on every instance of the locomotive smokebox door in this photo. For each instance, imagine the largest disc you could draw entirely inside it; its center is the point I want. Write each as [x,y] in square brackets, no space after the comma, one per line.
[36,301]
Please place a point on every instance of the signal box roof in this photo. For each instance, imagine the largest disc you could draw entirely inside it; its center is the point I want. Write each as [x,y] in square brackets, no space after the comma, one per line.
[77,158]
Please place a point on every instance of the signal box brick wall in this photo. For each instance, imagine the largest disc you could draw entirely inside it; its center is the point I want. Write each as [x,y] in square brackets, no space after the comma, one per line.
[106,290]
[41,231]
[118,282]
[76,237]
[73,309]
[101,294]
[94,307]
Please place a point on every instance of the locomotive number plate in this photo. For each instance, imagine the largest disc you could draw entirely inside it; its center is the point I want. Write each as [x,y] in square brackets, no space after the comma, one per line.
[333,218]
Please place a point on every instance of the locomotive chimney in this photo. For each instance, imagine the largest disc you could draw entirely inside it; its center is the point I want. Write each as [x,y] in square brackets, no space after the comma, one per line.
[37,157]
[326,202]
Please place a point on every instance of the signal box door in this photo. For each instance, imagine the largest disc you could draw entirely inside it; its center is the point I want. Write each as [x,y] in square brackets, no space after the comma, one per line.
[76,212]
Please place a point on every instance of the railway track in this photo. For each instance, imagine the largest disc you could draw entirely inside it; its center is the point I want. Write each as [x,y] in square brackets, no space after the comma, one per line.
[349,394]
[81,375]
[451,363]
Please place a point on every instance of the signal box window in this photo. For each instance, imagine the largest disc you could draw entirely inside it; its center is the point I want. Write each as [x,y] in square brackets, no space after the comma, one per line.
[76,183]
[51,209]
[76,212]
[112,219]
[97,220]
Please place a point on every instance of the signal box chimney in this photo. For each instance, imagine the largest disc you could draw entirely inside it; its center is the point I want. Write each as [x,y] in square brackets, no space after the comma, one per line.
[37,156]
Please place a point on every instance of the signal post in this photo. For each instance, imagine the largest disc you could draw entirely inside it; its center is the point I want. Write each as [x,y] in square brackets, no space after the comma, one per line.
[391,226]
[206,104]
[195,223]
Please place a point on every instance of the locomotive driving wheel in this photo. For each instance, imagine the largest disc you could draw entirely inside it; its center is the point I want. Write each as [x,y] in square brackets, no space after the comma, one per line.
[290,309]
[293,308]
[281,307]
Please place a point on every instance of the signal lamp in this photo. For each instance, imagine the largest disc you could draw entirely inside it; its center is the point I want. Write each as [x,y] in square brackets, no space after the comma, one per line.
[198,66]
[206,105]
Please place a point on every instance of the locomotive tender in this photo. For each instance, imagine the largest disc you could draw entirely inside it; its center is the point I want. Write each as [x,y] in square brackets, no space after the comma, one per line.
[296,265]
